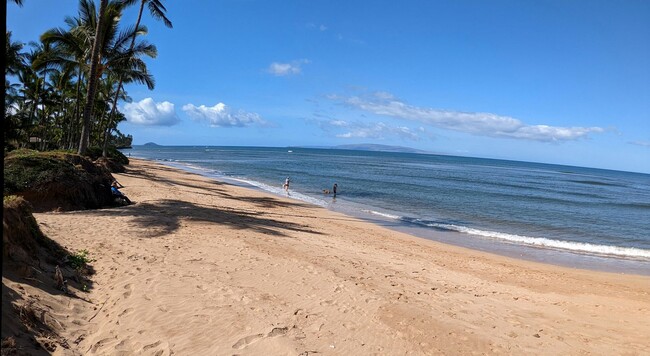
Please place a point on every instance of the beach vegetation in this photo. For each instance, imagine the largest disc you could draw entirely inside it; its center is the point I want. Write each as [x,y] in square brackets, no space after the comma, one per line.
[62,91]
[79,260]
[57,180]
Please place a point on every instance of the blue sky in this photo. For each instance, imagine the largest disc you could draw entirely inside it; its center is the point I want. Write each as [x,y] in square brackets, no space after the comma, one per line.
[564,82]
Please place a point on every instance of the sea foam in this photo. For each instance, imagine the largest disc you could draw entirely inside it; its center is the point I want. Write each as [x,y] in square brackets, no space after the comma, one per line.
[581,247]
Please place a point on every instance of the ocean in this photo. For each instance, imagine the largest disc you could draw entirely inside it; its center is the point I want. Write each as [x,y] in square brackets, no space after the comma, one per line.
[575,216]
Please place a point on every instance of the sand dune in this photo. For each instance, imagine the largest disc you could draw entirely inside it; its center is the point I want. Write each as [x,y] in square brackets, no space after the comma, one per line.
[198,267]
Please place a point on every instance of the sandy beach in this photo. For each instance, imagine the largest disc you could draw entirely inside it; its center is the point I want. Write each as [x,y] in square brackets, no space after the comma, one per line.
[200,267]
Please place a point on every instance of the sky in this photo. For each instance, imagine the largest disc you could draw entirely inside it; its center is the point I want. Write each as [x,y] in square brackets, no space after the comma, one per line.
[552,81]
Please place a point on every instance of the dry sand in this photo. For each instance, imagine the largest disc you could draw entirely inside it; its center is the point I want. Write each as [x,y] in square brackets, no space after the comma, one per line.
[199,267]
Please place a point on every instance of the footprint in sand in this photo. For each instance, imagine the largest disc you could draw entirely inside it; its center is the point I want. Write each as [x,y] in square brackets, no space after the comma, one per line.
[126,311]
[243,342]
[129,291]
[150,346]
[100,344]
[277,332]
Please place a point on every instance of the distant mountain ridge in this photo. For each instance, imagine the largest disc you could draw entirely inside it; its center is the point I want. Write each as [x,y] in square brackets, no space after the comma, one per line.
[353,147]
[377,147]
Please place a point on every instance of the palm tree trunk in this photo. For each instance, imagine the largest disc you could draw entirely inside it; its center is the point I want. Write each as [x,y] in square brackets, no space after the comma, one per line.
[109,124]
[99,130]
[32,114]
[119,84]
[63,113]
[94,78]
[105,145]
[75,119]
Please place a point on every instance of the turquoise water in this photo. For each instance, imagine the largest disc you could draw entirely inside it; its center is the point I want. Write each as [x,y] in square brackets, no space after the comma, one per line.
[548,207]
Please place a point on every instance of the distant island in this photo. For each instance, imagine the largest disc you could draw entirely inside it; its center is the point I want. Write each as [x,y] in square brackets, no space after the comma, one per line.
[376,147]
[151,144]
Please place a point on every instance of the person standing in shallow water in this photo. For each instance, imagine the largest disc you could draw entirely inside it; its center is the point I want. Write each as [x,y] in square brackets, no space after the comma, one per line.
[286,184]
[334,189]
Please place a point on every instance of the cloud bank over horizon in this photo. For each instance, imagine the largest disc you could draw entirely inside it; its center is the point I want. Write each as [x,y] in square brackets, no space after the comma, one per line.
[370,130]
[477,123]
[220,115]
[147,112]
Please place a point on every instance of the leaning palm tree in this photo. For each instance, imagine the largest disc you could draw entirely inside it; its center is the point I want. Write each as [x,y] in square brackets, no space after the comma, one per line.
[157,11]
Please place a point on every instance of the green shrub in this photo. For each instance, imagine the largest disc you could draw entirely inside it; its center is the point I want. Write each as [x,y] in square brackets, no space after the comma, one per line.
[79,259]
[112,153]
[26,170]
[57,180]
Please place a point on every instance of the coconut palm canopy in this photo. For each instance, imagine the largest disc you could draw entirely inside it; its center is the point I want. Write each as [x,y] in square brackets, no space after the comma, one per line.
[56,94]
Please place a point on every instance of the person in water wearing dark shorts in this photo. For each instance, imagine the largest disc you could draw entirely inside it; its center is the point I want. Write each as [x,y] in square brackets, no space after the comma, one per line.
[334,189]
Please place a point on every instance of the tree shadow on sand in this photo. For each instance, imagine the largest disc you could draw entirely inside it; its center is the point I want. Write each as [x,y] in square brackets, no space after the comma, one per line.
[214,187]
[165,216]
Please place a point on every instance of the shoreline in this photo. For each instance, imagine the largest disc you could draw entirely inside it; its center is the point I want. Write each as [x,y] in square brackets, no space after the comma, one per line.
[199,266]
[521,251]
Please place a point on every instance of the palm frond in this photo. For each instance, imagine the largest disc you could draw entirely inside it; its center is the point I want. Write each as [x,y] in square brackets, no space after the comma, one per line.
[157,10]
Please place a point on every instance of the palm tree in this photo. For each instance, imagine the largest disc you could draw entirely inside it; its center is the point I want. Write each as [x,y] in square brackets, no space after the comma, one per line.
[157,11]
[63,97]
[14,58]
[91,58]
[41,69]
[93,77]
[15,63]
[116,61]
[74,44]
[128,67]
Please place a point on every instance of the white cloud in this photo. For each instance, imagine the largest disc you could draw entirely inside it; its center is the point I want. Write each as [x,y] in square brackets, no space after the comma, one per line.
[640,143]
[485,124]
[340,123]
[148,112]
[220,115]
[283,69]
